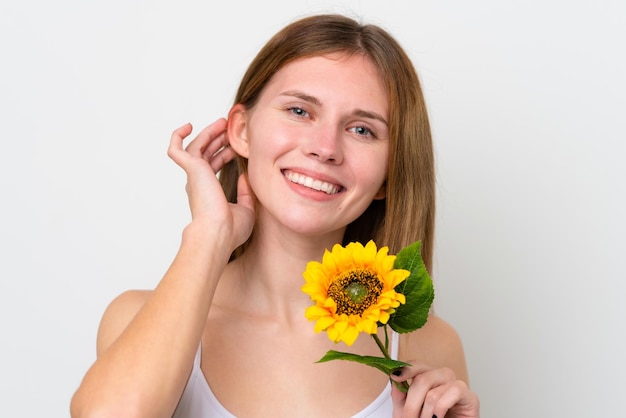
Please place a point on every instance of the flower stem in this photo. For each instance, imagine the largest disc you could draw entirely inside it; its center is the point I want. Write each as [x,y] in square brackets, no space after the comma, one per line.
[403,386]
[381,346]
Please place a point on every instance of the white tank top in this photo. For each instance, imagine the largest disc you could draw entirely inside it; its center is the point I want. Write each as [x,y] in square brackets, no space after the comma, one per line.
[198,400]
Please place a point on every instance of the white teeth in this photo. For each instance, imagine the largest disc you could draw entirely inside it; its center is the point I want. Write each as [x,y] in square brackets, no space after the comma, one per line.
[318,185]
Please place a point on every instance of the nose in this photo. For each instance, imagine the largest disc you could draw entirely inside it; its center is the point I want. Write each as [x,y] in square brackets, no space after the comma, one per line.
[325,146]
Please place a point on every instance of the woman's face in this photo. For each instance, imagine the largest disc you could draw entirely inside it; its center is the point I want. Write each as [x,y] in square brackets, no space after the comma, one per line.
[317,143]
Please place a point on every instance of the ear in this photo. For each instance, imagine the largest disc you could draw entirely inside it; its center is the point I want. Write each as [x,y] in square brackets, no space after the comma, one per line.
[238,130]
[382,192]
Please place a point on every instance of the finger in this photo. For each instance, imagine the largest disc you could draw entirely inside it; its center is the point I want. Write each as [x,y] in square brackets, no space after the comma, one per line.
[397,398]
[215,146]
[206,136]
[245,196]
[243,211]
[431,406]
[455,395]
[223,157]
[404,374]
[175,150]
[407,373]
[422,382]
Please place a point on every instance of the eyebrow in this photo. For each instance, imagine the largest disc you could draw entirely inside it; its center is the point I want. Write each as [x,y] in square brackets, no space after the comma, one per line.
[314,100]
[303,96]
[369,115]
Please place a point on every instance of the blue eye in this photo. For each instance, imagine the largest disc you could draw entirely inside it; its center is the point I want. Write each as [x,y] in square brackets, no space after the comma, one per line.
[363,131]
[298,111]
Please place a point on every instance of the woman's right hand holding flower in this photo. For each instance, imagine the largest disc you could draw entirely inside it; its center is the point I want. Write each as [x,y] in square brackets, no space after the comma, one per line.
[433,392]
[201,159]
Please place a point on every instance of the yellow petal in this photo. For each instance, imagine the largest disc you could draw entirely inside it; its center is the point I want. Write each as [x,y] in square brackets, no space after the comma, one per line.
[397,276]
[341,325]
[384,261]
[330,305]
[384,317]
[401,298]
[369,326]
[350,335]
[368,254]
[314,312]
[333,334]
[324,323]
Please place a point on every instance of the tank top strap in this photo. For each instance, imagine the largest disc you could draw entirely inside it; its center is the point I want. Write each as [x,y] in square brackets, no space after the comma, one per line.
[198,358]
[395,343]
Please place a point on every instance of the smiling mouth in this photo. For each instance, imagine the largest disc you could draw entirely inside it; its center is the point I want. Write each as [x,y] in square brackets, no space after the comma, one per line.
[320,186]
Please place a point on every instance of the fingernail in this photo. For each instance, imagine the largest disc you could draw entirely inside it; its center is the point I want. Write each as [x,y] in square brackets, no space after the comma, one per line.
[398,372]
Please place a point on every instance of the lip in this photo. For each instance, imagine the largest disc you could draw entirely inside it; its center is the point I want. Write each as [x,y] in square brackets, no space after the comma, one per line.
[315,182]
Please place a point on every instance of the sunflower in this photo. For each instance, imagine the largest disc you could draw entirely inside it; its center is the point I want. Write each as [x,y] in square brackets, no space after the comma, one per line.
[353,289]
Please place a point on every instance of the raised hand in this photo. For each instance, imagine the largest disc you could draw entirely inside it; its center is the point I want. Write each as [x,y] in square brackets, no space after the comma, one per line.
[433,393]
[208,153]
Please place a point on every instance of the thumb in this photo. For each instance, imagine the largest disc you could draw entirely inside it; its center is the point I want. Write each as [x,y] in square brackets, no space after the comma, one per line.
[243,211]
[398,398]
[245,196]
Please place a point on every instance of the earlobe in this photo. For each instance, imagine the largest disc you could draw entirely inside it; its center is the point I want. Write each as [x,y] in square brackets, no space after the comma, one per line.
[382,192]
[238,130]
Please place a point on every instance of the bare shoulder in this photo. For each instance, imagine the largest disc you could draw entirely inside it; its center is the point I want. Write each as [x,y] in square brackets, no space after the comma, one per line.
[438,344]
[118,315]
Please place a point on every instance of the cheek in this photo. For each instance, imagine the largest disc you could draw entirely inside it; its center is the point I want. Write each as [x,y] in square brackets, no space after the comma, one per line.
[375,167]
[256,170]
[379,186]
[265,152]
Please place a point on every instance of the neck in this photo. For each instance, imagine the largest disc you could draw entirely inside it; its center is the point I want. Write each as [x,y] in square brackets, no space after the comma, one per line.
[269,274]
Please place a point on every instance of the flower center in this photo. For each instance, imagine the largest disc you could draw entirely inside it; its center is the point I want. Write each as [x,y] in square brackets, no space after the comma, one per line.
[354,291]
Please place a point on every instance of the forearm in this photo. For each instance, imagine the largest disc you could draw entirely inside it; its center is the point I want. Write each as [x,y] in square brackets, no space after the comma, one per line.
[143,372]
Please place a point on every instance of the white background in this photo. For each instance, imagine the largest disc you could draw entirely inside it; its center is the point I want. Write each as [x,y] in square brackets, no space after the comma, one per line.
[527,100]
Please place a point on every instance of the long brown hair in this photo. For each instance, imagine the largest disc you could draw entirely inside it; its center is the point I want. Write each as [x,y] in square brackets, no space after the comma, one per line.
[407,214]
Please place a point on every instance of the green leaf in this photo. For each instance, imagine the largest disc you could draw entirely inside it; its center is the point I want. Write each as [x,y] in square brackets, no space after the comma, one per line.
[417,288]
[383,364]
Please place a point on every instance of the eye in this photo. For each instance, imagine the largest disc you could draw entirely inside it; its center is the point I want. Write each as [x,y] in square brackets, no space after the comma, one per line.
[298,111]
[363,131]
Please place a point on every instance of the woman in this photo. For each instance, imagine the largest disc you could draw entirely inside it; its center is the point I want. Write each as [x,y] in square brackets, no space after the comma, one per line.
[328,142]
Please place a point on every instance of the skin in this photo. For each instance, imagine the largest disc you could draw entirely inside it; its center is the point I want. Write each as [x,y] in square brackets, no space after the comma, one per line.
[323,117]
[329,128]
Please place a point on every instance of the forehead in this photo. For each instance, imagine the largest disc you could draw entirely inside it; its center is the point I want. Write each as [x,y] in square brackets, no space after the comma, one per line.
[332,76]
